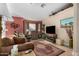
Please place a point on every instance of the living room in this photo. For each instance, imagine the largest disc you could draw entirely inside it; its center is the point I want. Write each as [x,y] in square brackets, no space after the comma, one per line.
[34,37]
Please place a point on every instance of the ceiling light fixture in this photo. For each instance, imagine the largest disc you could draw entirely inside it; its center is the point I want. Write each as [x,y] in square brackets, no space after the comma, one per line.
[43,5]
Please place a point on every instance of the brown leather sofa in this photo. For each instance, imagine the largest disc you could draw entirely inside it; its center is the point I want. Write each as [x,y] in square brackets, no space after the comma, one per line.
[7,45]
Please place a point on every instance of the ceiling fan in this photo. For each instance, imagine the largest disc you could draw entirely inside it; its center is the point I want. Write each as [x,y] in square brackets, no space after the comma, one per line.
[43,5]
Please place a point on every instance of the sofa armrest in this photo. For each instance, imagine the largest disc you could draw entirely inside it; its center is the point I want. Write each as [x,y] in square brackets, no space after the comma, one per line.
[25,46]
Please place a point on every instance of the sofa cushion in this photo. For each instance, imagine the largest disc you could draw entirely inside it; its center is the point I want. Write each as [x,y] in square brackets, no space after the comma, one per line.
[19,40]
[7,41]
[6,49]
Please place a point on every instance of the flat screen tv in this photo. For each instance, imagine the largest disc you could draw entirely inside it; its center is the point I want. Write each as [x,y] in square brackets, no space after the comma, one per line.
[50,29]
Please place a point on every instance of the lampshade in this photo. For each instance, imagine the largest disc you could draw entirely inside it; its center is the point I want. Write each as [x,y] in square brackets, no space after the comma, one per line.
[27,30]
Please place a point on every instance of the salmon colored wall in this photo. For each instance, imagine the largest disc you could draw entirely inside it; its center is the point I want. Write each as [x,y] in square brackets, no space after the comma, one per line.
[17,20]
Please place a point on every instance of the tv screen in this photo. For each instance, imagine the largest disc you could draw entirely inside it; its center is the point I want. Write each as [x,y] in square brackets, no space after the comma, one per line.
[50,29]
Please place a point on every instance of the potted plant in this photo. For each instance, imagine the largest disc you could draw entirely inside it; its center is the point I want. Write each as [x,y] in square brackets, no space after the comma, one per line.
[69,31]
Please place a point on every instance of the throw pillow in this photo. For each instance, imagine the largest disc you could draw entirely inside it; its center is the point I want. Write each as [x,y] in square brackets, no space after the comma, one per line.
[19,40]
[7,41]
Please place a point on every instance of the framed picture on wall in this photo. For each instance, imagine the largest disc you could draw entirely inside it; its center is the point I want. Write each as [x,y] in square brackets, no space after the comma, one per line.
[67,22]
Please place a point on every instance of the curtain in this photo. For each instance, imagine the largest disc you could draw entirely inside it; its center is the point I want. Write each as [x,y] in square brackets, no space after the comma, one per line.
[4,19]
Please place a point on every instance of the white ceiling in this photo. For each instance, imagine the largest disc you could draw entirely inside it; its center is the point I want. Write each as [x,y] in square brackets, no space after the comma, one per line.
[29,10]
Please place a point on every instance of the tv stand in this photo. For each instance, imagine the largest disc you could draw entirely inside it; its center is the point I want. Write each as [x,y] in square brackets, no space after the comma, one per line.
[52,38]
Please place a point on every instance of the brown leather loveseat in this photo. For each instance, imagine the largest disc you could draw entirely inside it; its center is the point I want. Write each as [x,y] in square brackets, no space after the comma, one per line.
[7,45]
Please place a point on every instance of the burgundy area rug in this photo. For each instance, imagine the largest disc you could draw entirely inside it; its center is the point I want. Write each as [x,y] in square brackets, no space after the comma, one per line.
[43,49]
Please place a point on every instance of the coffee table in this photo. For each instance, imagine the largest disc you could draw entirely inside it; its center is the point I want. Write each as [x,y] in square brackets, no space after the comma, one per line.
[22,53]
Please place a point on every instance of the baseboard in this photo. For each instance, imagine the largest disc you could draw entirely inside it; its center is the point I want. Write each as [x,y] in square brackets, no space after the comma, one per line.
[75,53]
